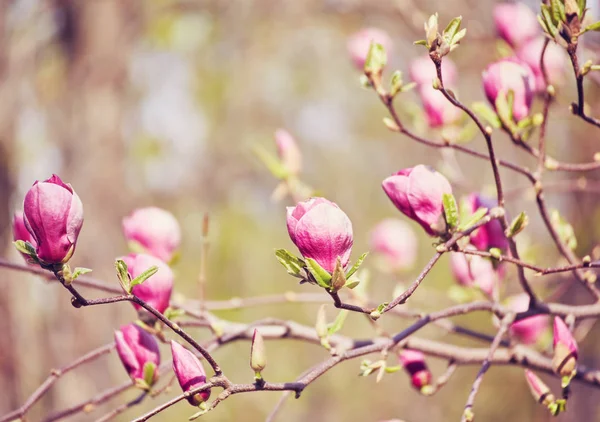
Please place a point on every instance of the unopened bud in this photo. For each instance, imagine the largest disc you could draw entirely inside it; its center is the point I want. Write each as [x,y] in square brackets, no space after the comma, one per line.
[564,361]
[539,390]
[258,357]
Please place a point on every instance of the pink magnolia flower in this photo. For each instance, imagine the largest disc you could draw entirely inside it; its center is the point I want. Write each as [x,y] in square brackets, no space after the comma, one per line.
[528,330]
[474,270]
[288,151]
[438,110]
[566,352]
[396,242]
[515,23]
[359,44]
[53,214]
[136,349]
[413,362]
[321,231]
[554,60]
[422,71]
[189,373]
[418,193]
[155,229]
[539,390]
[491,234]
[156,291]
[20,231]
[510,75]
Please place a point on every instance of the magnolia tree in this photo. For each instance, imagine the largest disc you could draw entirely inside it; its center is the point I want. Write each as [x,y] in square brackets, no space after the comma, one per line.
[477,232]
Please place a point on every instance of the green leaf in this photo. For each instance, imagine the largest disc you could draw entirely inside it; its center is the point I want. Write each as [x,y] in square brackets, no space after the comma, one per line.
[452,29]
[376,59]
[356,265]
[123,275]
[321,276]
[149,370]
[80,271]
[518,224]
[487,114]
[504,109]
[546,14]
[293,264]
[459,36]
[593,27]
[25,248]
[564,229]
[555,6]
[450,210]
[275,166]
[496,253]
[172,313]
[351,284]
[396,83]
[143,276]
[338,280]
[421,42]
[473,219]
[338,323]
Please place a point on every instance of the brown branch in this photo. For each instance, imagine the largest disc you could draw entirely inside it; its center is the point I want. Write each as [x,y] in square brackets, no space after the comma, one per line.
[122,408]
[468,412]
[52,378]
[578,108]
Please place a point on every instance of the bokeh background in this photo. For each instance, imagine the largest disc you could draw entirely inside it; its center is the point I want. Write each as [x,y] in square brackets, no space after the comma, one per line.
[159,102]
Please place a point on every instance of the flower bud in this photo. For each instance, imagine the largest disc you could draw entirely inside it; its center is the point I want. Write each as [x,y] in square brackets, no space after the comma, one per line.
[554,61]
[395,242]
[155,291]
[413,362]
[515,23]
[189,373]
[539,390]
[418,193]
[137,349]
[422,72]
[491,234]
[321,231]
[438,110]
[53,215]
[510,75]
[288,151]
[529,330]
[20,232]
[155,229]
[359,44]
[564,361]
[258,357]
[474,270]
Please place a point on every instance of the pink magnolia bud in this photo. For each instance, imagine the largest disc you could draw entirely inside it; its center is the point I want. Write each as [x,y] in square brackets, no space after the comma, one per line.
[491,234]
[528,330]
[438,110]
[396,242]
[510,75]
[288,151]
[137,348]
[565,356]
[359,44]
[554,60]
[413,362]
[515,23]
[474,270]
[54,216]
[189,373]
[539,390]
[321,231]
[156,291]
[418,192]
[422,72]
[155,229]
[20,232]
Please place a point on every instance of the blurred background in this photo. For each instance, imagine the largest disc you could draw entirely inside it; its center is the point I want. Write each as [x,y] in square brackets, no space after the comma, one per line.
[159,102]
